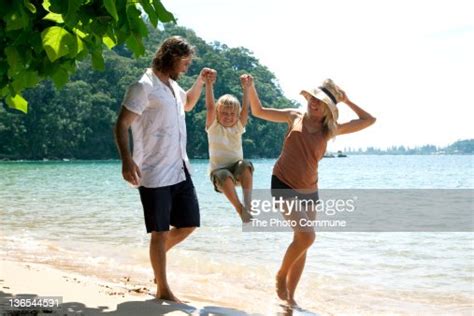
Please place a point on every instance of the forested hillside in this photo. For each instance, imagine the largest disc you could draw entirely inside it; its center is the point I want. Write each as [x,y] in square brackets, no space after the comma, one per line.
[76,122]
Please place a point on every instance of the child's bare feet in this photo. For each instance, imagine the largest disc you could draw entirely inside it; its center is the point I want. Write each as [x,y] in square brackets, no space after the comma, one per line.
[245,215]
[281,289]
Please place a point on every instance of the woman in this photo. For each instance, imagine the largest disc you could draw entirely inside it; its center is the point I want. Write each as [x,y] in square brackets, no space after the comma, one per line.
[295,174]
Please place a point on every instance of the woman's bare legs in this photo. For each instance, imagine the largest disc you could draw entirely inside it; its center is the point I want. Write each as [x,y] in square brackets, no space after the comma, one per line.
[294,259]
[296,270]
[295,254]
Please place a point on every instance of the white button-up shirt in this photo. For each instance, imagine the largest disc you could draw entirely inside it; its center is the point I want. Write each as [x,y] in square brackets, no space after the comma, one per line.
[159,133]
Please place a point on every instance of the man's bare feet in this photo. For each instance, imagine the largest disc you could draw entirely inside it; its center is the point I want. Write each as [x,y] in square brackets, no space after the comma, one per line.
[281,289]
[167,295]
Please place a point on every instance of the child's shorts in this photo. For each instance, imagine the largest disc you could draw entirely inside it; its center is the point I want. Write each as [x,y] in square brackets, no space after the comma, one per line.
[234,171]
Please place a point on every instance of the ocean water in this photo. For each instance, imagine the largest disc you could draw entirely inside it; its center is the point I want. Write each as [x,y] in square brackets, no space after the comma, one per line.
[81,216]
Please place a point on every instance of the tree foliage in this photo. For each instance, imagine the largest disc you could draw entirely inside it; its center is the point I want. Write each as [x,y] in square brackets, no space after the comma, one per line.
[43,39]
[76,122]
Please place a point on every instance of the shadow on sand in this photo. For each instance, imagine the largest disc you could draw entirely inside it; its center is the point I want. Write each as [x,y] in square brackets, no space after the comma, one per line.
[143,308]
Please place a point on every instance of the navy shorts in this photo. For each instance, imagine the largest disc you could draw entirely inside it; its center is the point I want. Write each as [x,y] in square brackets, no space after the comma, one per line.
[176,205]
[283,190]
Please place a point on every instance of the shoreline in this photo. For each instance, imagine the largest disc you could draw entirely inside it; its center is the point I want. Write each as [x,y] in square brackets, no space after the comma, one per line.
[83,295]
[349,154]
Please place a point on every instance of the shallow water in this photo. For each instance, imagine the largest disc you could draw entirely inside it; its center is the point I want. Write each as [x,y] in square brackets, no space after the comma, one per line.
[81,216]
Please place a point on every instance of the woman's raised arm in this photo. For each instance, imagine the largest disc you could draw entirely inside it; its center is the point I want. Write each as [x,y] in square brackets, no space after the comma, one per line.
[364,120]
[269,114]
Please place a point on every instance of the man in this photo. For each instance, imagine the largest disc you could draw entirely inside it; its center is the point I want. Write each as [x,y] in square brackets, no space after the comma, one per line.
[154,109]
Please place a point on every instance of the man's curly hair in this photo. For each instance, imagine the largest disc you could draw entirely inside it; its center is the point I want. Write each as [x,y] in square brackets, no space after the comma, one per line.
[170,51]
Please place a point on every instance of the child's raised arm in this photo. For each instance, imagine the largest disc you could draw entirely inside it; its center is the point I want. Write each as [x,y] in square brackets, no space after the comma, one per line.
[210,102]
[244,114]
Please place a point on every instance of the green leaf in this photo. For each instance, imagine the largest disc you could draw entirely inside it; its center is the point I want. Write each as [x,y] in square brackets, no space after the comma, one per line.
[72,17]
[4,92]
[73,49]
[14,59]
[21,81]
[82,54]
[163,14]
[150,11]
[135,21]
[98,61]
[142,28]
[47,68]
[36,44]
[79,33]
[110,7]
[69,66]
[17,102]
[15,20]
[80,44]
[55,17]
[29,6]
[46,4]
[31,78]
[99,27]
[108,41]
[58,6]
[60,77]
[123,33]
[57,42]
[135,44]
[133,15]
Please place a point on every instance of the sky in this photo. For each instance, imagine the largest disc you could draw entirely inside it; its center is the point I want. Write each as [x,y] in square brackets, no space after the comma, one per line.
[409,63]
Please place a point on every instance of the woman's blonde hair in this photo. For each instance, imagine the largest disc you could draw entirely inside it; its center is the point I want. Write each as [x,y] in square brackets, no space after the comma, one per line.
[330,122]
[228,101]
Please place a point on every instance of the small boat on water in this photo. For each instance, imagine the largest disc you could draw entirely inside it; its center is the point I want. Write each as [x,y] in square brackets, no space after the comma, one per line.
[338,155]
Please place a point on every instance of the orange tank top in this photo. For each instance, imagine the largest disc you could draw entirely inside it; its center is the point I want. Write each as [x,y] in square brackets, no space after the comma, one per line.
[297,165]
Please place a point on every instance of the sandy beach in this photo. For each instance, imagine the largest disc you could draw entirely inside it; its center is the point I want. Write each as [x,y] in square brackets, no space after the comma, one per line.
[90,296]
[85,295]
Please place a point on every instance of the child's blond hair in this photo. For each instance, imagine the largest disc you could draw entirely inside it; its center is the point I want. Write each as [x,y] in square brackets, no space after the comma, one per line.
[228,101]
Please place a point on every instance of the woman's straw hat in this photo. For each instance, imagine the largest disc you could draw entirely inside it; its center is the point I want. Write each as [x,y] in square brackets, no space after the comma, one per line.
[329,94]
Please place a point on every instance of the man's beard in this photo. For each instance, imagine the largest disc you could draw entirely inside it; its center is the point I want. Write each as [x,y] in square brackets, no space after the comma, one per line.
[174,75]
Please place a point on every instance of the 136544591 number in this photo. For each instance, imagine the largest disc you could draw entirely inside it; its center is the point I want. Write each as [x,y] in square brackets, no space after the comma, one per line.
[31,303]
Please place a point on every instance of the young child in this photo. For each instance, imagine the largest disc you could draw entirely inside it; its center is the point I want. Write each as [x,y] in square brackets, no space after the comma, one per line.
[225,124]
